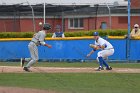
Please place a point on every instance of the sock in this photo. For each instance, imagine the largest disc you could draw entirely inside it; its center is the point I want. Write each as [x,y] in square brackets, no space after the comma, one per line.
[100,61]
[105,63]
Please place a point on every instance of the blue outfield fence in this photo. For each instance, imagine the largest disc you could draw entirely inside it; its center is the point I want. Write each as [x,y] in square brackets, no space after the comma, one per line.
[67,49]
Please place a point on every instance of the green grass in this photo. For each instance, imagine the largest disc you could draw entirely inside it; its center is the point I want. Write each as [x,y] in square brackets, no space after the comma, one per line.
[75,83]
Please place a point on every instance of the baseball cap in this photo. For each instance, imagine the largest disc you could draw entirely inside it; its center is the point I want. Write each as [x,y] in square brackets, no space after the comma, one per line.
[95,34]
[136,25]
[46,26]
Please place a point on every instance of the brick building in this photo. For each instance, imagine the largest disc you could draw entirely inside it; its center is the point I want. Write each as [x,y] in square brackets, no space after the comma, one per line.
[19,18]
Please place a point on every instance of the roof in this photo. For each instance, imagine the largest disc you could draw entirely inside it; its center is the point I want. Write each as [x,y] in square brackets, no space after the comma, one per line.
[59,2]
[25,10]
[39,7]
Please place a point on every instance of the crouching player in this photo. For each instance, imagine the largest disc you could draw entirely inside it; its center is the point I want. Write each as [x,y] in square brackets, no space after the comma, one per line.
[106,50]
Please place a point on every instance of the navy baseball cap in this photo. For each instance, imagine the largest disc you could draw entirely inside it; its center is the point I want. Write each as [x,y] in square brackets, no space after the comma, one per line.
[95,34]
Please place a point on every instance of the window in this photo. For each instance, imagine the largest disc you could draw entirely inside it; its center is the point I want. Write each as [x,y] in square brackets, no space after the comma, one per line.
[75,23]
[103,25]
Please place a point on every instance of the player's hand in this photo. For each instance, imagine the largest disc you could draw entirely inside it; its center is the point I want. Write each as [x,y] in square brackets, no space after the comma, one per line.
[49,46]
[88,55]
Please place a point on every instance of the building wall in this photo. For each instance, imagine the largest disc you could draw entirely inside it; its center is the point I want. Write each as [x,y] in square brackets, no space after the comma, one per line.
[135,20]
[26,24]
[2,26]
[117,22]
[135,4]
[9,25]
[91,23]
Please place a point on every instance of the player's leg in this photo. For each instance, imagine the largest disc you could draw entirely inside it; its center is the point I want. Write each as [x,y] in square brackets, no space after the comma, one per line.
[106,53]
[23,60]
[100,60]
[34,56]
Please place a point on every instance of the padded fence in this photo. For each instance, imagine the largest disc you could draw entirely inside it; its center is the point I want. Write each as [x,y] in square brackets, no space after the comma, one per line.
[67,49]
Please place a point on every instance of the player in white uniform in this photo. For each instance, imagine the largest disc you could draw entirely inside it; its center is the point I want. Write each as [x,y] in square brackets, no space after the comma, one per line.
[38,39]
[106,50]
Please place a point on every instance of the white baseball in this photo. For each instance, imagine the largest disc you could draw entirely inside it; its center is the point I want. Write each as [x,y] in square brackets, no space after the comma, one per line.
[40,23]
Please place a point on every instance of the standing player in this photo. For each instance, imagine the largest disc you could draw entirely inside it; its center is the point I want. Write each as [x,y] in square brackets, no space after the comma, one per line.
[38,39]
[106,50]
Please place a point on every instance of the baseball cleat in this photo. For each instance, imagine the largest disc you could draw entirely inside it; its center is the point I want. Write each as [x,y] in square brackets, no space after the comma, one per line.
[109,68]
[26,69]
[22,61]
[100,68]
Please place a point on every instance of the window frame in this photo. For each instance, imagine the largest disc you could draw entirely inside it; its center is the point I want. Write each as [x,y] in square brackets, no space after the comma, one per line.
[72,25]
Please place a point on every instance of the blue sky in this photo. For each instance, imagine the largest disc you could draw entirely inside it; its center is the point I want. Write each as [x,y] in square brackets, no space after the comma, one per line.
[59,1]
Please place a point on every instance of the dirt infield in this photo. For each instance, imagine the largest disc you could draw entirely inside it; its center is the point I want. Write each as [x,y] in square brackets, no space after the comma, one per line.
[14,69]
[22,90]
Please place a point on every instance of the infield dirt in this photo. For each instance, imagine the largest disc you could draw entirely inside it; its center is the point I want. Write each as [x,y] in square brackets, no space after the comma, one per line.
[16,69]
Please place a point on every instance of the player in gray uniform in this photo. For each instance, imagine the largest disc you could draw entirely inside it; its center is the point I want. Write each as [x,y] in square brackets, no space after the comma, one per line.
[38,39]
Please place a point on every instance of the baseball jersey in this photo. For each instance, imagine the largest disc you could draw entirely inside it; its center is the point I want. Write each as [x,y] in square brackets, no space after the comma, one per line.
[103,42]
[39,37]
[58,34]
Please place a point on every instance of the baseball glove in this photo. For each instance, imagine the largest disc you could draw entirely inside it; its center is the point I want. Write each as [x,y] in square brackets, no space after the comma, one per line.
[93,46]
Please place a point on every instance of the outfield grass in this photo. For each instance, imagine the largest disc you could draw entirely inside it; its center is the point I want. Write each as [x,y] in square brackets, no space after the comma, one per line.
[75,83]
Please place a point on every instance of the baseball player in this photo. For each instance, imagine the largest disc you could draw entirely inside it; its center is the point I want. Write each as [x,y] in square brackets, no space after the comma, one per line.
[106,50]
[38,39]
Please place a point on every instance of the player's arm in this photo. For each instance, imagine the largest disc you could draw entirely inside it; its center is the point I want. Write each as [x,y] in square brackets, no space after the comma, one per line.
[42,42]
[132,34]
[63,36]
[95,47]
[103,46]
[45,44]
[90,53]
[54,35]
[49,46]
